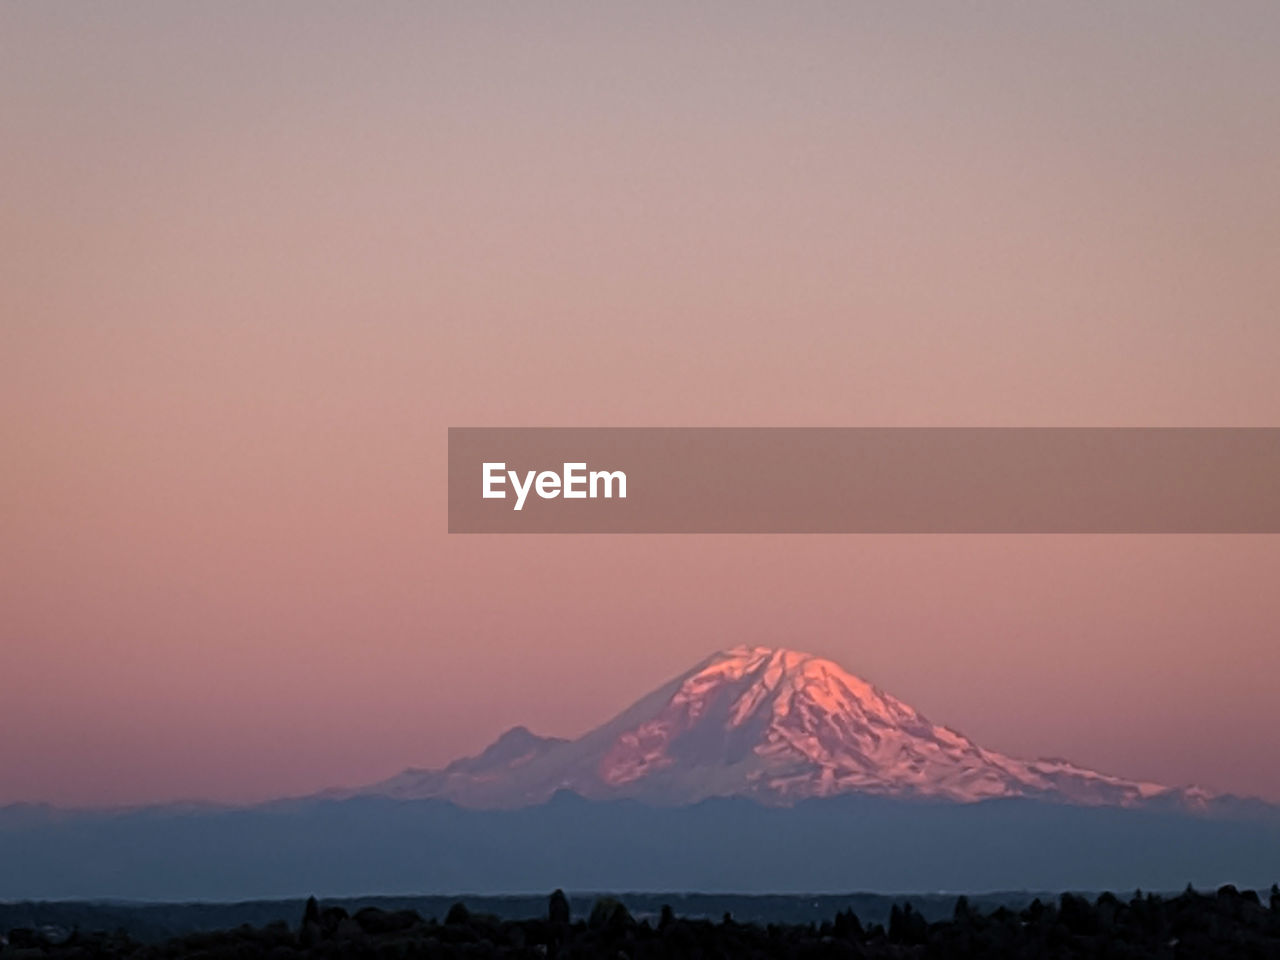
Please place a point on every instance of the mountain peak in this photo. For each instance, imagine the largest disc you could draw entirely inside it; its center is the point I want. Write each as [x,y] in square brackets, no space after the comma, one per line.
[788,678]
[785,658]
[779,662]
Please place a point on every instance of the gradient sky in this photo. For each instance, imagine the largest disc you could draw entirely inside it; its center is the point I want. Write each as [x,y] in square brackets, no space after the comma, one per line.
[255,259]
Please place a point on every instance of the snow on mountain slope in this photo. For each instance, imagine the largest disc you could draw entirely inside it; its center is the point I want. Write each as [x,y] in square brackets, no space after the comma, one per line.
[471,780]
[774,724]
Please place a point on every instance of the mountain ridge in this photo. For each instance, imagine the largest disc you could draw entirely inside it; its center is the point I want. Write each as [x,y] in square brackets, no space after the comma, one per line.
[345,847]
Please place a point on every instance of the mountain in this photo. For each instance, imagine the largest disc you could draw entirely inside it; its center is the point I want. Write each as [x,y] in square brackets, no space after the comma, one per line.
[758,770]
[778,726]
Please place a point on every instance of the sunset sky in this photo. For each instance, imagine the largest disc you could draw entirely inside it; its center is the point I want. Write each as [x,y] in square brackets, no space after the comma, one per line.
[256,259]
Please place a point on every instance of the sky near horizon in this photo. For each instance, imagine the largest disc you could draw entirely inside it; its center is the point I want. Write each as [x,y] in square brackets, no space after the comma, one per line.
[257,259]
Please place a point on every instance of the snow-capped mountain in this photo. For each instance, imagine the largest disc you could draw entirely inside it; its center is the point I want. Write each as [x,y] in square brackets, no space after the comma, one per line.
[773,724]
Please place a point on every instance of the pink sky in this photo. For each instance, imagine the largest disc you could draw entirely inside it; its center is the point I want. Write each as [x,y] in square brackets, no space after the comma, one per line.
[257,260]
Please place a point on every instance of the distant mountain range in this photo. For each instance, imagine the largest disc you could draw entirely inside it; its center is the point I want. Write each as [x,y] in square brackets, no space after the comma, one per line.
[775,725]
[759,770]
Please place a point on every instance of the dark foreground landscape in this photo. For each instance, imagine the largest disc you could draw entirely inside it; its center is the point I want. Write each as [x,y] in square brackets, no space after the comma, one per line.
[1229,924]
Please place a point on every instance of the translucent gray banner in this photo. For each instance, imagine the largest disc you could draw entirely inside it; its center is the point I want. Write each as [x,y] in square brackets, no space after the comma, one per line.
[864,480]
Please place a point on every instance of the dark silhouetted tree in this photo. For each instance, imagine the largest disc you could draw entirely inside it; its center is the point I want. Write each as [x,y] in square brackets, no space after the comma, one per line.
[310,931]
[907,926]
[558,908]
[847,925]
[609,914]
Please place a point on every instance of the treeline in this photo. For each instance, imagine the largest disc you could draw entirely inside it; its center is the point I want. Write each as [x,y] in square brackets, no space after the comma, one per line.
[154,922]
[1227,924]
